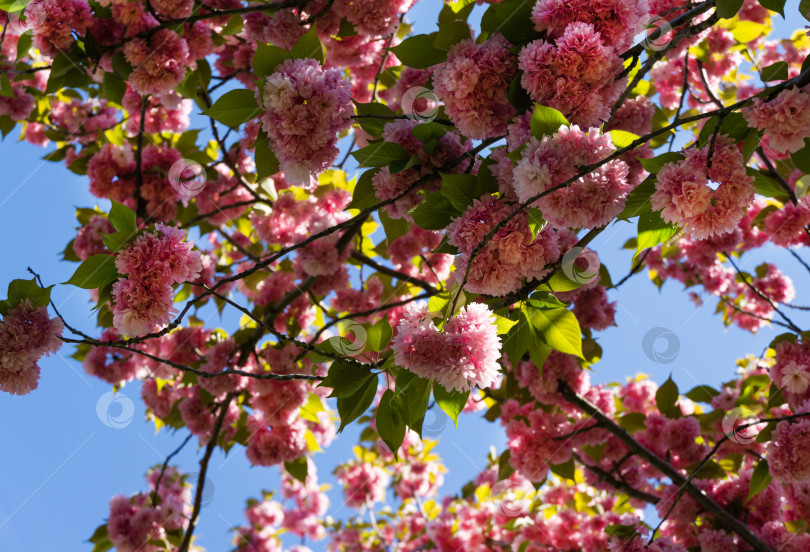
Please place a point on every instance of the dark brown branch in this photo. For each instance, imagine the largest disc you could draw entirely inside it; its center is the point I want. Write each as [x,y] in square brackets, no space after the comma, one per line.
[209,450]
[393,273]
[617,484]
[156,493]
[761,295]
[723,517]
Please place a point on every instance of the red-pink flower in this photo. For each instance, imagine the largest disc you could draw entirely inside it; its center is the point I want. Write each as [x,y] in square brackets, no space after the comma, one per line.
[26,334]
[464,354]
[306,107]
[473,85]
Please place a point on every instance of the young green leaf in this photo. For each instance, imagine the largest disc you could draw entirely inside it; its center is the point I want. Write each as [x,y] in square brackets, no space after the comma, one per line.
[760,479]
[546,121]
[391,421]
[234,108]
[559,329]
[95,272]
[122,217]
[452,402]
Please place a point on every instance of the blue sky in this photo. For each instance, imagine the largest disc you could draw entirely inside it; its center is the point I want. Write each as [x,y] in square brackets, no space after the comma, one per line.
[61,463]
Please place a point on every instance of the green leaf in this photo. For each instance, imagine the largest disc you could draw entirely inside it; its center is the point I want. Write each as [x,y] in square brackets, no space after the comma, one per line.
[24,44]
[622,138]
[621,531]
[25,289]
[451,33]
[702,393]
[452,402]
[546,121]
[560,282]
[419,52]
[462,189]
[652,230]
[371,125]
[234,108]
[427,132]
[727,9]
[766,186]
[402,165]
[777,6]
[632,422]
[346,378]
[394,228]
[353,406]
[518,339]
[267,58]
[95,272]
[434,213]
[512,18]
[503,324]
[100,539]
[308,47]
[654,165]
[116,241]
[536,222]
[363,196]
[565,470]
[391,421]
[735,126]
[414,392]
[379,335]
[775,71]
[801,158]
[666,396]
[266,161]
[7,124]
[298,468]
[379,154]
[559,329]
[505,468]
[122,217]
[760,479]
[638,202]
[804,8]
[113,88]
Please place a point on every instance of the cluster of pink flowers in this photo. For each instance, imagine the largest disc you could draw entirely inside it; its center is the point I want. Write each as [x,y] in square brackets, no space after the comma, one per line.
[791,371]
[785,119]
[112,173]
[574,74]
[137,523]
[398,185]
[159,62]
[590,201]
[418,244]
[305,108]
[364,483]
[509,256]
[465,353]
[697,262]
[54,21]
[152,264]
[789,451]
[530,434]
[83,119]
[26,334]
[166,113]
[683,193]
[89,238]
[617,21]
[473,85]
